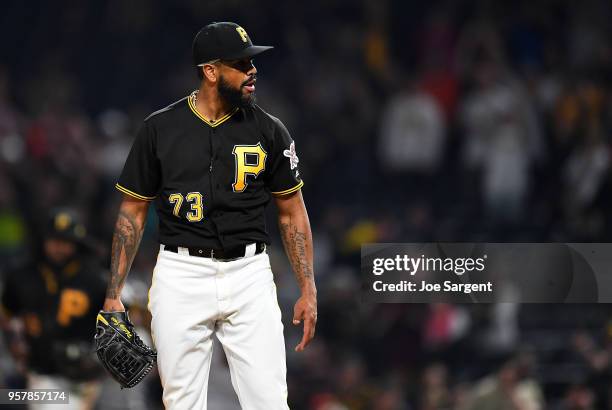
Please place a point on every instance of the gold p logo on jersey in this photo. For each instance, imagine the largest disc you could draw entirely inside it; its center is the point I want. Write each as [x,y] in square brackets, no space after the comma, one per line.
[243,34]
[73,303]
[250,160]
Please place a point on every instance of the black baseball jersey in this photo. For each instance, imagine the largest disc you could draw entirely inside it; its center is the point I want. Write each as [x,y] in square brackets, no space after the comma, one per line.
[211,180]
[58,306]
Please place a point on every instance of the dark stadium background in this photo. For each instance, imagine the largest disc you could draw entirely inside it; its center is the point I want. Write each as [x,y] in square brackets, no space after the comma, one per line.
[507,106]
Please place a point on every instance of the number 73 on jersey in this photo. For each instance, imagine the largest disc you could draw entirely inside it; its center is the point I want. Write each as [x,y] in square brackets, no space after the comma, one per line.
[250,160]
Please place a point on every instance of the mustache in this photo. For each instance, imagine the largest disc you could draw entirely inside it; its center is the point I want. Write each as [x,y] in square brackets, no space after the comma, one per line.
[248,80]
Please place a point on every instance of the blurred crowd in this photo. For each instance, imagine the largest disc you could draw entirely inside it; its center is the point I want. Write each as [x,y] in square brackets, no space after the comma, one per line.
[438,121]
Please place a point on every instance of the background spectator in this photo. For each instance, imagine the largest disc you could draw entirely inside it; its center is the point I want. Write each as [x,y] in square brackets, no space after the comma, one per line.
[437,121]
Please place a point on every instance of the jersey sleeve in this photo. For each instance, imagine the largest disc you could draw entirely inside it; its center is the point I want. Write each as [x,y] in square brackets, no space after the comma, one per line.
[141,174]
[284,175]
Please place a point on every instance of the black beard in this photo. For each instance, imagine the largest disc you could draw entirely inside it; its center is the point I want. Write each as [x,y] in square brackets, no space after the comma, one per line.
[58,265]
[233,96]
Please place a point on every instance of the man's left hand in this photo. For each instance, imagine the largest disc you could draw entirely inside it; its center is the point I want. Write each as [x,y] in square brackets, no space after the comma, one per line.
[305,309]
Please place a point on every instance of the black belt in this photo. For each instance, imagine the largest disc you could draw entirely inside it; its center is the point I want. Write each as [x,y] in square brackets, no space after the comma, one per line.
[219,254]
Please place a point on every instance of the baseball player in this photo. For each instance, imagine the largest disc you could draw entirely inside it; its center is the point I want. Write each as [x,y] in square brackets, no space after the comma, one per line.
[211,162]
[56,297]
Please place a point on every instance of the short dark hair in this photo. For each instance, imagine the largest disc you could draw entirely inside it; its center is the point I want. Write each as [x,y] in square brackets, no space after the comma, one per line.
[200,72]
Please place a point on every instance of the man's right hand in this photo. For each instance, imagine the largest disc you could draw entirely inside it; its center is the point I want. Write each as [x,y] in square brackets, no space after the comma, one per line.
[113,305]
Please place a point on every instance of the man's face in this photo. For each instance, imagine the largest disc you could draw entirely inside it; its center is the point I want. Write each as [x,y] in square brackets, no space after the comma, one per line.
[59,251]
[237,82]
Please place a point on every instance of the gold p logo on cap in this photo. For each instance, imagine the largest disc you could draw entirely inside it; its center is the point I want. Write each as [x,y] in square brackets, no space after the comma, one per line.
[243,33]
[62,221]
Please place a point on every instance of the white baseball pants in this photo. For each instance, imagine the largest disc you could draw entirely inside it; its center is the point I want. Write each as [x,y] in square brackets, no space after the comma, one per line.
[190,299]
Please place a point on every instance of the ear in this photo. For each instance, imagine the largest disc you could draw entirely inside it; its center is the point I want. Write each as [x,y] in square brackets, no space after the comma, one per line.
[211,72]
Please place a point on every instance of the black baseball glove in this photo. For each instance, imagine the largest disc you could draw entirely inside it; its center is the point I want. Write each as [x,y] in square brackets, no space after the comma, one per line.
[123,354]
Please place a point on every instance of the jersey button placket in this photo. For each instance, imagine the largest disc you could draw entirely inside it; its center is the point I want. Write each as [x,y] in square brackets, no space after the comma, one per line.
[211,178]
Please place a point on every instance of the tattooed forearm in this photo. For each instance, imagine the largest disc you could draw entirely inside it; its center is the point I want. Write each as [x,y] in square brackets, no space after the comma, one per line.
[126,239]
[296,244]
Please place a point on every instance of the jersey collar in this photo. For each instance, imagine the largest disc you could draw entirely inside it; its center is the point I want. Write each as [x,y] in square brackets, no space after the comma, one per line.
[208,122]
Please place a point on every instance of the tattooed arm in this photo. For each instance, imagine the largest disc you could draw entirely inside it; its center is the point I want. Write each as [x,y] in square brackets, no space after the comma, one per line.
[297,239]
[128,232]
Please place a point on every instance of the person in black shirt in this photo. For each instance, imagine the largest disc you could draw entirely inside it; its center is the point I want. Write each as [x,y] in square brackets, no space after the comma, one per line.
[211,162]
[56,298]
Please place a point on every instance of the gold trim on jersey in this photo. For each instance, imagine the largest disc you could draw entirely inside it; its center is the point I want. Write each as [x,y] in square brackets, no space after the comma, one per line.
[72,268]
[49,278]
[133,194]
[211,123]
[288,191]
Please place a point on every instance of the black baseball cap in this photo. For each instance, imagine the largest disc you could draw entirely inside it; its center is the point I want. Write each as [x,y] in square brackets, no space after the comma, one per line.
[65,223]
[223,40]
